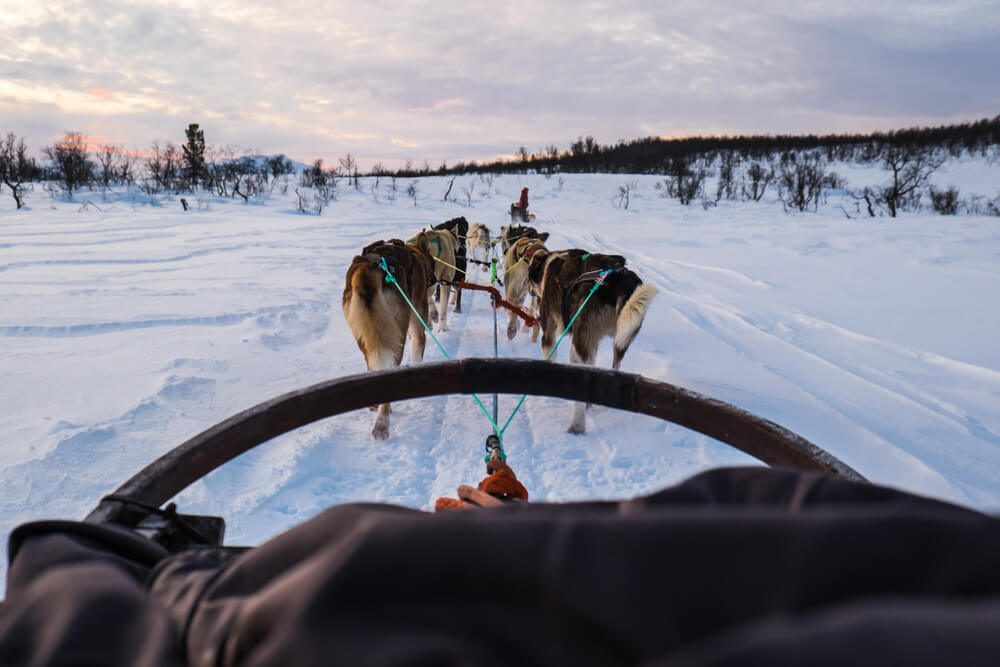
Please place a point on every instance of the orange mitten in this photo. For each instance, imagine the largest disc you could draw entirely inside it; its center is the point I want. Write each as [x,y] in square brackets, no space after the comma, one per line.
[451,504]
[500,483]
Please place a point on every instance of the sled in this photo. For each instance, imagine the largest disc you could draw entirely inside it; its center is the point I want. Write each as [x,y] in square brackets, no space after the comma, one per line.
[139,498]
[518,214]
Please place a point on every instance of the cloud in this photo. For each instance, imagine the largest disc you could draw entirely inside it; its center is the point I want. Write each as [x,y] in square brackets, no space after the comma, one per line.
[380,80]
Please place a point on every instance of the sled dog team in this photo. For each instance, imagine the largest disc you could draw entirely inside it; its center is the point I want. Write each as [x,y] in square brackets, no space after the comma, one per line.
[429,264]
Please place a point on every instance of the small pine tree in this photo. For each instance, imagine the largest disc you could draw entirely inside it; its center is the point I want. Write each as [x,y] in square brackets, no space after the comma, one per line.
[194,153]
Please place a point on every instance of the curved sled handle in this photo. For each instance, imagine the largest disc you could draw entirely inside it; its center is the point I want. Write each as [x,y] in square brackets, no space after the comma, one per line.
[192,460]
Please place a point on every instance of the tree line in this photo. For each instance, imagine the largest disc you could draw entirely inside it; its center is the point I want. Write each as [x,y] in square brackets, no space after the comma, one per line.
[655,155]
[794,167]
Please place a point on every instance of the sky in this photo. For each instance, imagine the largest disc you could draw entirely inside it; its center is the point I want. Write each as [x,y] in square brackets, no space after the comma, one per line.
[392,81]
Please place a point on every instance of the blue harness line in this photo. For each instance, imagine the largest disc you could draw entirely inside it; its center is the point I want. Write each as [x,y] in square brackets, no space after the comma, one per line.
[389,278]
[498,431]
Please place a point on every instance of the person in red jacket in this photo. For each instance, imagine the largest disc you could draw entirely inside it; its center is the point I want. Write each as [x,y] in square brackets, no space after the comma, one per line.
[520,209]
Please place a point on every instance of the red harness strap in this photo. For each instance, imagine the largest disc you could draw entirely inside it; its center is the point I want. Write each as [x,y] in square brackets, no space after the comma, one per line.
[529,320]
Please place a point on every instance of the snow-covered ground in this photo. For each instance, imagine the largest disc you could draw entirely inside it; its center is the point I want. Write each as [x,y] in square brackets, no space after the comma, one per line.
[129,327]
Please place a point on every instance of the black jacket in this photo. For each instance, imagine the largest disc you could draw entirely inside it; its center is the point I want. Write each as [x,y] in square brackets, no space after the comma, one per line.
[745,566]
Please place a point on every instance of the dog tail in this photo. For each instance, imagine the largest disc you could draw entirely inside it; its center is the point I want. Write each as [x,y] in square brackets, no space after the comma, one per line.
[631,316]
[371,318]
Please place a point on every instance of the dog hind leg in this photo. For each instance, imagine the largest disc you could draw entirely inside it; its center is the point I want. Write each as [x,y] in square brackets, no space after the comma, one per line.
[443,306]
[578,424]
[534,309]
[380,359]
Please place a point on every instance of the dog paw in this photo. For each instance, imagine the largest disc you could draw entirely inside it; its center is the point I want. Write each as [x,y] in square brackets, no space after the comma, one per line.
[511,332]
[380,431]
[442,327]
[577,429]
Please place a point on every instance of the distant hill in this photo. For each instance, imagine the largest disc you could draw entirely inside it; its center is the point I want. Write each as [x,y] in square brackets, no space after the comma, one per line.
[261,160]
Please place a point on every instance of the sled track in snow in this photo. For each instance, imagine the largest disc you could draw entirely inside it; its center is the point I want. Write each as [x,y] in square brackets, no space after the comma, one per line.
[192,460]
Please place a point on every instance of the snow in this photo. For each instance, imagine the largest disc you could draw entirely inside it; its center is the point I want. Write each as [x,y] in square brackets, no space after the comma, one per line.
[130,326]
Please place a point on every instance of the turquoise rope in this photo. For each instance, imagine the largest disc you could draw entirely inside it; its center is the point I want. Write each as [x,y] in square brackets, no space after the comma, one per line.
[597,283]
[389,278]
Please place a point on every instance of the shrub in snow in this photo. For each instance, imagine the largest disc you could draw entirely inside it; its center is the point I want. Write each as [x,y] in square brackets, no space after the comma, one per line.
[945,202]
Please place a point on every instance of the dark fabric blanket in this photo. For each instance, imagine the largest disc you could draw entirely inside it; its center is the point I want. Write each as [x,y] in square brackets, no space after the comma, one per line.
[743,566]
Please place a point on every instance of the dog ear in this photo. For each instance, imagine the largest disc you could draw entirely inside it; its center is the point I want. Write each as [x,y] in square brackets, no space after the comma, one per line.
[543,237]
[423,243]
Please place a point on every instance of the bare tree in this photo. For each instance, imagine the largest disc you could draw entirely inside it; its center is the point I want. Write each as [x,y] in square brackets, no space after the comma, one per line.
[910,169]
[15,166]
[487,181]
[755,181]
[800,182]
[280,168]
[684,180]
[451,184]
[869,197]
[107,160]
[172,162]
[302,201]
[522,153]
[163,167]
[350,168]
[153,181]
[126,167]
[726,187]
[71,160]
[468,190]
[621,200]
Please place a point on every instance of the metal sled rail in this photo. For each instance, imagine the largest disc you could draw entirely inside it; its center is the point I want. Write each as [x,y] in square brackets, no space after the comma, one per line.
[192,460]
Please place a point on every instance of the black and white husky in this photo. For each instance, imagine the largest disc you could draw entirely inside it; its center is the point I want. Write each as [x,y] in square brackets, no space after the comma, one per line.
[562,280]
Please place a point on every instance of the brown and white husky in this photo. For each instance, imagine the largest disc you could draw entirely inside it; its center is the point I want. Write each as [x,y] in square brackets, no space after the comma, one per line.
[441,246]
[378,315]
[479,239]
[515,277]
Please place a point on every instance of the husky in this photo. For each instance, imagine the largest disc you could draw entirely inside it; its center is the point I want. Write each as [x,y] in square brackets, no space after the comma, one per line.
[378,315]
[562,280]
[441,246]
[511,233]
[515,277]
[460,227]
[479,239]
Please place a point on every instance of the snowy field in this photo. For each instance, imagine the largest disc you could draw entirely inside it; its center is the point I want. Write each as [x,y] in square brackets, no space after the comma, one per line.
[128,327]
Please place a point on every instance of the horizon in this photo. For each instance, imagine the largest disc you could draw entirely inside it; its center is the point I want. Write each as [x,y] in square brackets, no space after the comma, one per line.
[418,81]
[94,144]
